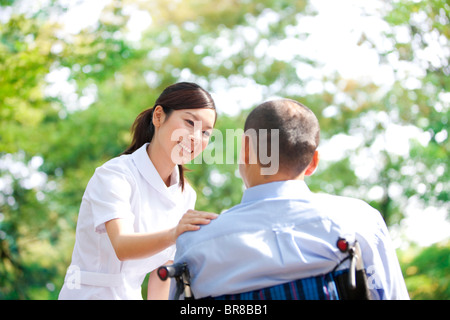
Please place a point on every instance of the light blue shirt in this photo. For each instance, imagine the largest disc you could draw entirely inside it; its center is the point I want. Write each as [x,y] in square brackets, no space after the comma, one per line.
[280,232]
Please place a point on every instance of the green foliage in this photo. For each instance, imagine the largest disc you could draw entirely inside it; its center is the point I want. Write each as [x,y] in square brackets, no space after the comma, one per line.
[52,139]
[426,271]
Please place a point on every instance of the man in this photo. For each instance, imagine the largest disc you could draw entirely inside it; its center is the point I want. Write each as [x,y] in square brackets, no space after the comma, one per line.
[281,231]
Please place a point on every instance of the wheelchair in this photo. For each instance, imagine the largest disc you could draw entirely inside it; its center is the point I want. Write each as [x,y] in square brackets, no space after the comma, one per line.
[344,284]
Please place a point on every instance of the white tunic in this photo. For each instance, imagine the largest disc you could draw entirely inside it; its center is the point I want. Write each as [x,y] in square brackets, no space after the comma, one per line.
[130,188]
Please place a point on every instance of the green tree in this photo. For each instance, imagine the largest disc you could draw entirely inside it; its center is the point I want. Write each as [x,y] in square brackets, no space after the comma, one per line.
[67,101]
[426,272]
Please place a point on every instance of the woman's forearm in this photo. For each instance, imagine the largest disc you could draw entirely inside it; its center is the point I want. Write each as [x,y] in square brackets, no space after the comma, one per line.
[129,245]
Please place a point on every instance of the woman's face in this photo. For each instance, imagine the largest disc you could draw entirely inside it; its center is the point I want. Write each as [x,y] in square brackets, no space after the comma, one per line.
[185,133]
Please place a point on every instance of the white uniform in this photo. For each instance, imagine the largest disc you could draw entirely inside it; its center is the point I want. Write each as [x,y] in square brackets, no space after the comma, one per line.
[130,188]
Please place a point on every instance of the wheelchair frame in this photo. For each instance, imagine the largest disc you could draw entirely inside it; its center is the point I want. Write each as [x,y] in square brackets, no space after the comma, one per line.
[351,285]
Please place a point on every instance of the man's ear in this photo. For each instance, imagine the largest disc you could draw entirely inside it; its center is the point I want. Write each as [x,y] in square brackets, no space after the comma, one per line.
[158,116]
[313,164]
[245,149]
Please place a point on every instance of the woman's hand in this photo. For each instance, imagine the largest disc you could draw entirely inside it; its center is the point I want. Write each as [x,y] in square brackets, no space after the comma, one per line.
[192,220]
[130,245]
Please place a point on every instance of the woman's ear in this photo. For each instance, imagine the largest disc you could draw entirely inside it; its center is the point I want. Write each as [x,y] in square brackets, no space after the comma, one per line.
[313,164]
[158,116]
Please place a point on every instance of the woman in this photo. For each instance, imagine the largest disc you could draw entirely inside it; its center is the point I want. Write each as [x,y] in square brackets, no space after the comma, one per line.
[136,205]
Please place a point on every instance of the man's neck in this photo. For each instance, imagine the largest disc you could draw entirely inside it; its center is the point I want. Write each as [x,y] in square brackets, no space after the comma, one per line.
[258,179]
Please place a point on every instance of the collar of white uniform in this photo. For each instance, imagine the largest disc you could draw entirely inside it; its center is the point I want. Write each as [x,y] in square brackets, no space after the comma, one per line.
[151,175]
[276,190]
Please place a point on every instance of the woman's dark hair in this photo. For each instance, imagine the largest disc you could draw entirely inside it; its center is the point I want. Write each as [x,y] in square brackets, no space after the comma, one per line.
[182,95]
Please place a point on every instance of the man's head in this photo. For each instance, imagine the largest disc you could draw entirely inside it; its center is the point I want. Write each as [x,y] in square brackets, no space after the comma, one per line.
[289,132]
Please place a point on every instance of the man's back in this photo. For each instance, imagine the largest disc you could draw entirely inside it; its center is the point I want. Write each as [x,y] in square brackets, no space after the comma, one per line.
[282,232]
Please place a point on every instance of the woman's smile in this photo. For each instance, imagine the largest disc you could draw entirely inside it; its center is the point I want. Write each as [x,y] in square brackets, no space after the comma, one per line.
[185,147]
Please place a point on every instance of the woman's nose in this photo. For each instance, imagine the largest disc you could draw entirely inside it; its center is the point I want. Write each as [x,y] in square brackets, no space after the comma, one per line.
[196,135]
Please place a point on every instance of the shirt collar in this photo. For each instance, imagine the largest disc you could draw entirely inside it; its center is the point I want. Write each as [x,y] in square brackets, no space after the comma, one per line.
[276,190]
[151,175]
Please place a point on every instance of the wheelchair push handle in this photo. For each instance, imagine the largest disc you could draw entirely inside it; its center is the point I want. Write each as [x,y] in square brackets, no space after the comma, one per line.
[356,262]
[180,272]
[172,271]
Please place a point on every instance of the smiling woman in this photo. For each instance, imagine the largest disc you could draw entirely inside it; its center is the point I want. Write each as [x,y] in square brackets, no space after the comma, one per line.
[136,205]
[181,96]
[191,130]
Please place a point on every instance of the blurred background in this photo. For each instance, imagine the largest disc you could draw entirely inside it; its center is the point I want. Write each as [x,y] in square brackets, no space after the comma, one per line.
[75,74]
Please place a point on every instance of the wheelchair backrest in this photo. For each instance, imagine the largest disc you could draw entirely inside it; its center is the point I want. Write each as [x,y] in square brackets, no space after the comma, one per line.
[339,284]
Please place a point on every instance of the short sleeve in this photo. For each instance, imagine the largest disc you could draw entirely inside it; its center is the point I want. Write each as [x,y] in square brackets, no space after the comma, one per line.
[109,195]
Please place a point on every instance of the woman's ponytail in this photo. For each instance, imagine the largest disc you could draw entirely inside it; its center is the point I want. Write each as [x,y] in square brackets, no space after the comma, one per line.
[142,129]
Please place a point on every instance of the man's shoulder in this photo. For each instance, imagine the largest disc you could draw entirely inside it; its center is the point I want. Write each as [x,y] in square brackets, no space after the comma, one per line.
[348,210]
[339,202]
[223,224]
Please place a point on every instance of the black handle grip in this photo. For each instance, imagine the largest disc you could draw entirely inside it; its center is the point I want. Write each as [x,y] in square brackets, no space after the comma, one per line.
[171,271]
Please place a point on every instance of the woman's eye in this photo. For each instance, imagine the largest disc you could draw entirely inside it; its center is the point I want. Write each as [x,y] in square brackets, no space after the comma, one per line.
[190,122]
[206,134]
